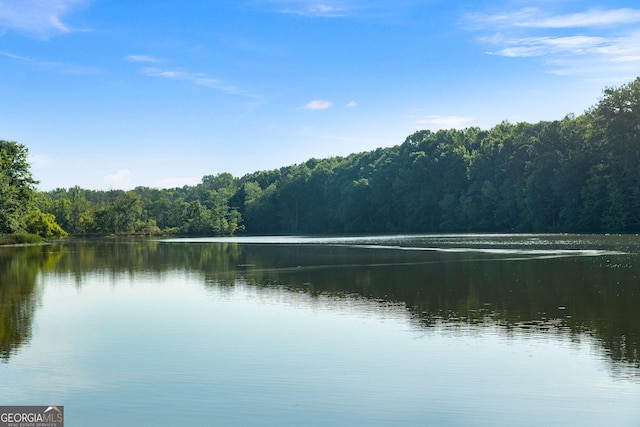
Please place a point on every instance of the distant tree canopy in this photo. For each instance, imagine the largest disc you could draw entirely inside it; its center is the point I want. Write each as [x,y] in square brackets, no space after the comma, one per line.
[578,174]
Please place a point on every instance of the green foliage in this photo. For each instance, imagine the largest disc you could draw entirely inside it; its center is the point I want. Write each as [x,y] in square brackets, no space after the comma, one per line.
[575,174]
[44,225]
[578,174]
[617,142]
[20,239]
[147,227]
[16,186]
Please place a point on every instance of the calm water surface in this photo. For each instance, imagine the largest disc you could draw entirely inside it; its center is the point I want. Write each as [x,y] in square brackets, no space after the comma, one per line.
[471,330]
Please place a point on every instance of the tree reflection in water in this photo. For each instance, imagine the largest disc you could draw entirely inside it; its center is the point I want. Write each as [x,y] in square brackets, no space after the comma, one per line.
[595,296]
[19,294]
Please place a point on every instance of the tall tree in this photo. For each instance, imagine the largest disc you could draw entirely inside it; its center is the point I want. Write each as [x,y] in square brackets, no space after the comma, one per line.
[617,118]
[17,186]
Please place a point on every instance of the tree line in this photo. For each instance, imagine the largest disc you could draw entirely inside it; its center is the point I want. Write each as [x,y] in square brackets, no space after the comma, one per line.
[577,174]
[19,212]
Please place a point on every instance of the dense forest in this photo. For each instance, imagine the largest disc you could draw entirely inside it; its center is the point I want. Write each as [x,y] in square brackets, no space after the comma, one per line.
[577,174]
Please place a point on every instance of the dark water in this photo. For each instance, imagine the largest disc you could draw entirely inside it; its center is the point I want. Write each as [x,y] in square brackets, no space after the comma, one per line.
[474,330]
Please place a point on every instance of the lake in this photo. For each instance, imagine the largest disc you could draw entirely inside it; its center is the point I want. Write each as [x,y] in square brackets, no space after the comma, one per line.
[435,330]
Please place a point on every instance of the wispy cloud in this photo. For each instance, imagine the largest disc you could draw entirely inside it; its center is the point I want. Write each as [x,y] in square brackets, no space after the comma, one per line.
[142,58]
[590,18]
[36,16]
[313,8]
[18,57]
[39,161]
[59,67]
[435,122]
[380,9]
[351,104]
[318,104]
[589,43]
[338,8]
[536,18]
[539,46]
[317,10]
[199,79]
[119,179]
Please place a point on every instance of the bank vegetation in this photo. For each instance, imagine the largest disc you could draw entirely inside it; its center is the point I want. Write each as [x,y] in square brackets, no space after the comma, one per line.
[576,174]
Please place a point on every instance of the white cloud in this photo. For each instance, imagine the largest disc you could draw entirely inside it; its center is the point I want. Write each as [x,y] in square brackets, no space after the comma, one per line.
[18,57]
[536,18]
[435,122]
[340,8]
[37,16]
[39,161]
[538,46]
[626,58]
[195,78]
[590,18]
[313,8]
[316,10]
[120,179]
[593,44]
[318,104]
[141,58]
[59,67]
[351,104]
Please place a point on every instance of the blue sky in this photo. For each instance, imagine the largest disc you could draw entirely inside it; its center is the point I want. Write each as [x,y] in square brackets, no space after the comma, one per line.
[115,94]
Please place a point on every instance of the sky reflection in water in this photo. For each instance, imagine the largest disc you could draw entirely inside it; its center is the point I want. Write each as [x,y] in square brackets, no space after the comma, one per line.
[300,333]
